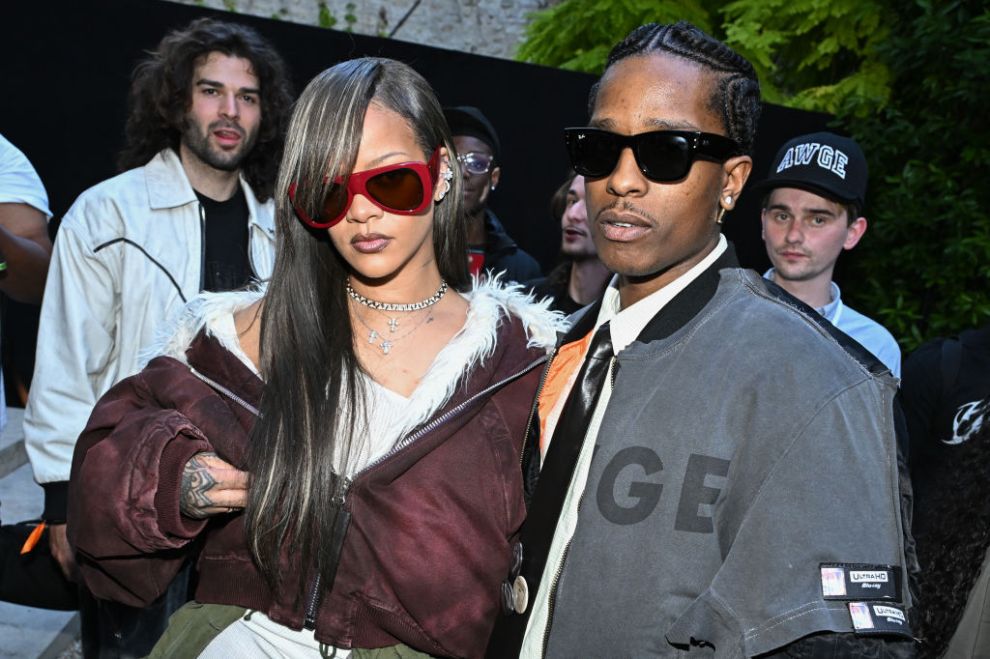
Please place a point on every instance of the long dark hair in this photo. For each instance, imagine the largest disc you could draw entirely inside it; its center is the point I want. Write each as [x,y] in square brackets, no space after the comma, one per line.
[307,354]
[160,96]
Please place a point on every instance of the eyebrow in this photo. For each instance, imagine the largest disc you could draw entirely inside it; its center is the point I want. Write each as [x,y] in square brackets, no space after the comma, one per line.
[654,124]
[219,85]
[807,211]
[383,158]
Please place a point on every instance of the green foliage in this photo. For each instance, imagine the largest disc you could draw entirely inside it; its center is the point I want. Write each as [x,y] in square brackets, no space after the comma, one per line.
[924,266]
[813,54]
[577,34]
[324,18]
[349,16]
[809,54]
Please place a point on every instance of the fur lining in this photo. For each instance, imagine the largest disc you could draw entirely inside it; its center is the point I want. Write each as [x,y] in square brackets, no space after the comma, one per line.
[212,311]
[490,300]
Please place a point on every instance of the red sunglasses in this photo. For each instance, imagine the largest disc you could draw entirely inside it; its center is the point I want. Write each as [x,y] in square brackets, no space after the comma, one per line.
[405,188]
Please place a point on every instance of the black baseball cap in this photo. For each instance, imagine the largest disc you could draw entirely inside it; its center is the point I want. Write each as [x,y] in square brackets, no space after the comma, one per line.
[823,163]
[469,120]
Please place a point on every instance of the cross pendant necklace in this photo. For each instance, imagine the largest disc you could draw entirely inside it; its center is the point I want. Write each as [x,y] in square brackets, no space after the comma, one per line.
[393,324]
[385,345]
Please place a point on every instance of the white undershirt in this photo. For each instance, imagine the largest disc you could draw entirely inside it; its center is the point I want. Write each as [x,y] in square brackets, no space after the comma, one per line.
[624,326]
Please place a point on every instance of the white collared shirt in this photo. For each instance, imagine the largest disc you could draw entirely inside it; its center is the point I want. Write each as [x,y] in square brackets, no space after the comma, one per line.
[624,326]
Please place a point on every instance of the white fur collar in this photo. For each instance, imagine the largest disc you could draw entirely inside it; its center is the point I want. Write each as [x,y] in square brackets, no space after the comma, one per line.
[212,311]
[489,300]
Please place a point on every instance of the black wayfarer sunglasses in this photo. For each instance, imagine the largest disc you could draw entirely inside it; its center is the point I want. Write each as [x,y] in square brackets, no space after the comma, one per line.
[662,155]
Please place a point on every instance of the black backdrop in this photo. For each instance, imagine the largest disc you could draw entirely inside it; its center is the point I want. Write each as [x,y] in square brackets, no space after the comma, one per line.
[65,68]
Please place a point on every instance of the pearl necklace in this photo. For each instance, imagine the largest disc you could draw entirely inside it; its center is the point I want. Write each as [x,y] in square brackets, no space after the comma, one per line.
[390,306]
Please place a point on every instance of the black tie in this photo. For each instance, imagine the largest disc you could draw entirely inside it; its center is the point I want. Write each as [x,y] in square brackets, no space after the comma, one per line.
[555,477]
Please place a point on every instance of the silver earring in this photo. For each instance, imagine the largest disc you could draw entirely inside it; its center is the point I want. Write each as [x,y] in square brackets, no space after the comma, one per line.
[446,188]
[448,175]
[728,199]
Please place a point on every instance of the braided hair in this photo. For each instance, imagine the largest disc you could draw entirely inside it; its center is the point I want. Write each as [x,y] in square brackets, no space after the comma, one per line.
[736,94]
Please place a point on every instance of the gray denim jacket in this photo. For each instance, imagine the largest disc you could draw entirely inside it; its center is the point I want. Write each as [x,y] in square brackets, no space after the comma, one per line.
[736,456]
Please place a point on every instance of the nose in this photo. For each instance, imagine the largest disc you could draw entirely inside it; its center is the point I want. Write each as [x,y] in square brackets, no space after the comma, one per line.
[229,106]
[626,179]
[793,235]
[576,213]
[362,209]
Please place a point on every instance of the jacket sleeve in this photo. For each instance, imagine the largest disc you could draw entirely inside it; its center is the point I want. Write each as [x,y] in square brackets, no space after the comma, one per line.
[840,645]
[75,346]
[124,518]
[832,498]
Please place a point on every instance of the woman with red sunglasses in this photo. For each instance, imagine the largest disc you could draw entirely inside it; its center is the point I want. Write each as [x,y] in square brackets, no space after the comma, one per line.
[340,453]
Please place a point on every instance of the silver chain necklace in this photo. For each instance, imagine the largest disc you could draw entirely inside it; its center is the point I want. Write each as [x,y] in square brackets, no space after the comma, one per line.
[387,344]
[391,306]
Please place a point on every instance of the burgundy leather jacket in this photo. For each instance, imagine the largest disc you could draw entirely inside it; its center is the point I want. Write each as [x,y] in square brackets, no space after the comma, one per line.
[431,528]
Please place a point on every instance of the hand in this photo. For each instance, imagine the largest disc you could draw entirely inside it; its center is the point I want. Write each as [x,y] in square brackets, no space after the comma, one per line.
[211,486]
[62,552]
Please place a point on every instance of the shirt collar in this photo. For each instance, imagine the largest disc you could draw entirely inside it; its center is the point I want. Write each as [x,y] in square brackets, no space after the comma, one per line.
[830,309]
[835,299]
[626,324]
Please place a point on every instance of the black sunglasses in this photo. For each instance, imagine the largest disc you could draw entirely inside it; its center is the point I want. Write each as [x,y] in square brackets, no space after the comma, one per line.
[662,155]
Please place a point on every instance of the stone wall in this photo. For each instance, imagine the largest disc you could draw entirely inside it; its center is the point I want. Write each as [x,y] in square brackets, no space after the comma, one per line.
[484,27]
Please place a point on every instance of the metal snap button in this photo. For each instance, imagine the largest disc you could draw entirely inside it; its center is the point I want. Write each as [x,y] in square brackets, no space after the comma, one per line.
[520,594]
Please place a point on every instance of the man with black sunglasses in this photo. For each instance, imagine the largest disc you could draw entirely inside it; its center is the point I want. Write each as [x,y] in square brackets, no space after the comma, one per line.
[490,249]
[717,466]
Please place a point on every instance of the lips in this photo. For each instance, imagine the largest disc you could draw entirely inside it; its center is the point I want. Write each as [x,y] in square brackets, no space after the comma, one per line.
[370,243]
[227,135]
[622,227]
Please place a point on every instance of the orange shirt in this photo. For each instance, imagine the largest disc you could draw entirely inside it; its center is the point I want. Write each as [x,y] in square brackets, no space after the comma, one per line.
[560,378]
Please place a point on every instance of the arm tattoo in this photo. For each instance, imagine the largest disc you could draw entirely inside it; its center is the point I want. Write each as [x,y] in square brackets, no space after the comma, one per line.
[196,484]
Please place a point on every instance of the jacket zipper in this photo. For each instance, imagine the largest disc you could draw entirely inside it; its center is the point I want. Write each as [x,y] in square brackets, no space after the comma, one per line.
[451,413]
[552,596]
[552,599]
[227,392]
[202,247]
[313,601]
[252,230]
[536,399]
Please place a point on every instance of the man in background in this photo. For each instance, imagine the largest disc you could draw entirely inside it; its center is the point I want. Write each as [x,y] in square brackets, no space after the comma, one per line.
[812,212]
[581,278]
[192,212]
[490,249]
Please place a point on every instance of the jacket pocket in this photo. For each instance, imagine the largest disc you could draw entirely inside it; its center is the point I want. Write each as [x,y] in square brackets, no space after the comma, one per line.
[401,626]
